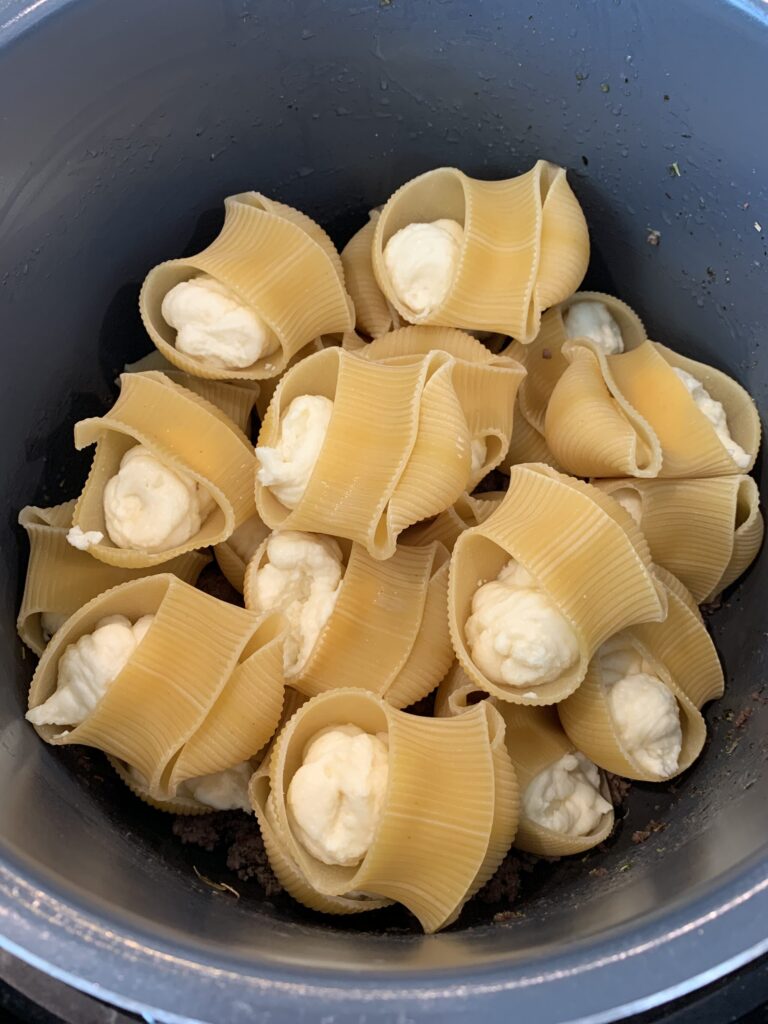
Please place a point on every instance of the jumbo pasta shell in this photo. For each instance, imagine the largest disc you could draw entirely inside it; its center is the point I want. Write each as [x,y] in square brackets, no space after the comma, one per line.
[267,254]
[374,314]
[585,552]
[486,384]
[185,805]
[184,431]
[705,531]
[592,424]
[527,445]
[164,694]
[244,715]
[388,631]
[442,783]
[396,450]
[688,440]
[682,644]
[234,554]
[587,720]
[467,511]
[534,740]
[544,360]
[526,246]
[60,579]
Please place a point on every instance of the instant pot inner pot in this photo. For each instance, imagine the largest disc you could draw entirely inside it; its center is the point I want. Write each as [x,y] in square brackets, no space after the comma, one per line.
[129,124]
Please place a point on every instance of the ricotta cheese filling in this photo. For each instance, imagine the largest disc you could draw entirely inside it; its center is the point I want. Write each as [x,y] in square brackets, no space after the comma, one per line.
[336,798]
[212,325]
[516,634]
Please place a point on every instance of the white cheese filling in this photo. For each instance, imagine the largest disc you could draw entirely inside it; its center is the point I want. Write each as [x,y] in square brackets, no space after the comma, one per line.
[645,712]
[301,578]
[86,669]
[82,540]
[287,468]
[565,797]
[226,790]
[715,413]
[593,320]
[151,507]
[516,634]
[336,798]
[421,262]
[214,326]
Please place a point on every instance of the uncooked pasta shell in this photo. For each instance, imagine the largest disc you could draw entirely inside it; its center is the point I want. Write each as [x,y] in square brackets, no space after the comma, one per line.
[245,714]
[585,552]
[704,531]
[167,689]
[396,450]
[185,432]
[441,794]
[525,246]
[688,440]
[526,445]
[185,805]
[468,511]
[544,360]
[61,579]
[748,536]
[587,720]
[267,254]
[591,425]
[535,740]
[682,644]
[388,631]
[288,872]
[234,554]
[375,315]
[486,384]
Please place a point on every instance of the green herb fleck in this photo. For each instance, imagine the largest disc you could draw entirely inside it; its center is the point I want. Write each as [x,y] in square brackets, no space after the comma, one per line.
[604,87]
[674,169]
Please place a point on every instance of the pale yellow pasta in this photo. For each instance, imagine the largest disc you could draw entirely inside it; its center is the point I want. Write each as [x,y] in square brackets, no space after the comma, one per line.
[193,674]
[682,644]
[397,448]
[186,433]
[179,804]
[534,740]
[267,254]
[388,631]
[690,446]
[584,551]
[60,578]
[526,445]
[705,531]
[374,314]
[234,554]
[446,791]
[544,360]
[587,720]
[525,246]
[591,424]
[468,511]
[485,384]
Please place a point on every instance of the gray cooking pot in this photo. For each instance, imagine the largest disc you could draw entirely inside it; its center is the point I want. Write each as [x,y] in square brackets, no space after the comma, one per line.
[122,125]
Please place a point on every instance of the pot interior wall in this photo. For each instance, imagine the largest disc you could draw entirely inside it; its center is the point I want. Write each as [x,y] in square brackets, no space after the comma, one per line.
[128,125]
